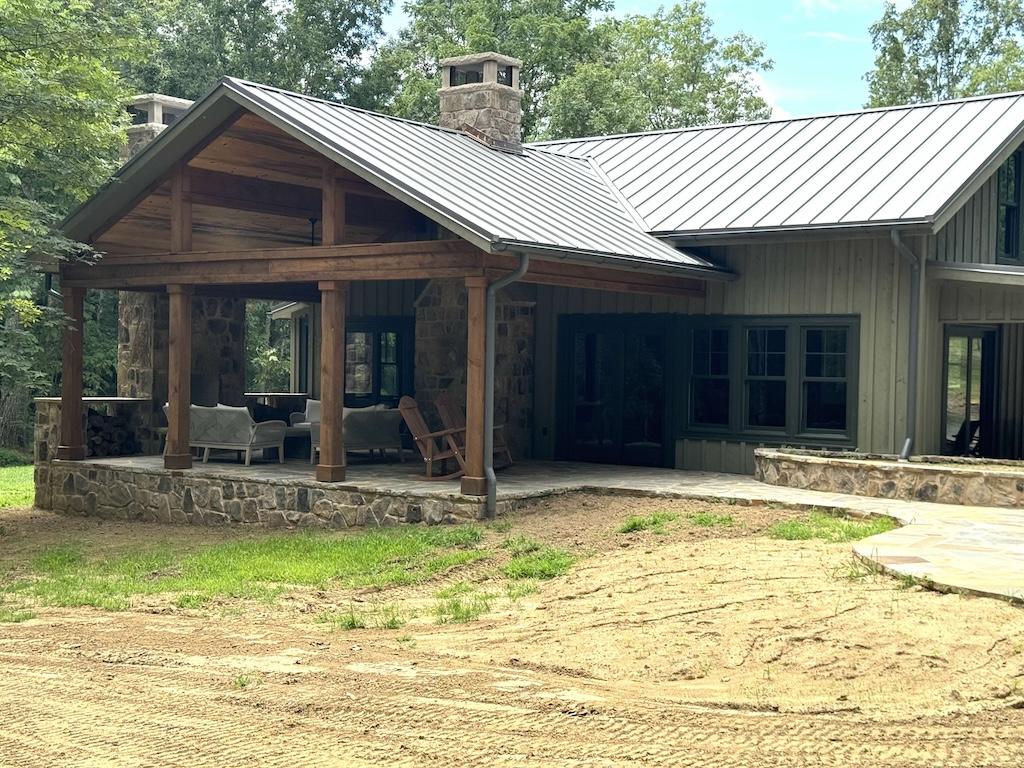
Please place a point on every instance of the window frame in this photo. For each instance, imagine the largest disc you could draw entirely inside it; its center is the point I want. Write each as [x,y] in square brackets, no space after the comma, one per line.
[805,378]
[691,377]
[1014,255]
[404,327]
[795,430]
[748,377]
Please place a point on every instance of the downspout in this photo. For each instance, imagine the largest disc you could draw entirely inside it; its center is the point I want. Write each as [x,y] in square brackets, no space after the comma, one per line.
[489,345]
[913,352]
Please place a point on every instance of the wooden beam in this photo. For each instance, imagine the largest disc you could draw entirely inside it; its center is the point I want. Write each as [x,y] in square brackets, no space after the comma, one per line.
[332,215]
[474,482]
[181,209]
[178,454]
[72,436]
[331,468]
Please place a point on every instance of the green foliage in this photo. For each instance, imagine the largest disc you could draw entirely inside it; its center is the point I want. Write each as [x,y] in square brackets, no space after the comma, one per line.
[711,520]
[255,569]
[942,49]
[830,528]
[520,545]
[652,522]
[461,608]
[665,70]
[244,682]
[544,563]
[267,348]
[313,46]
[16,486]
[9,458]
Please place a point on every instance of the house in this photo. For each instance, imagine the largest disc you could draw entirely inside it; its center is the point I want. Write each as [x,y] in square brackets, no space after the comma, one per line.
[675,298]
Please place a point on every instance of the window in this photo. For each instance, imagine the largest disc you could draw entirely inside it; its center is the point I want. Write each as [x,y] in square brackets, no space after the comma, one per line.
[710,377]
[783,379]
[378,361]
[302,361]
[824,379]
[766,378]
[1009,222]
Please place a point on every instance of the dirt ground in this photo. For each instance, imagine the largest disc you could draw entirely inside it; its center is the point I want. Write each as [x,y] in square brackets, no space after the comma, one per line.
[701,646]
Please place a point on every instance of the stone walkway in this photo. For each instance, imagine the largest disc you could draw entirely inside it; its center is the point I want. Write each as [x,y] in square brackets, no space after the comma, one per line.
[978,550]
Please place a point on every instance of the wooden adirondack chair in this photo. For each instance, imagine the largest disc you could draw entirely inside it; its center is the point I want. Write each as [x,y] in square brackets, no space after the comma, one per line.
[453,416]
[435,447]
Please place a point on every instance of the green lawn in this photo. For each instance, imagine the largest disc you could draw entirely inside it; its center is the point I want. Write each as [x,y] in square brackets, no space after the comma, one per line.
[829,527]
[254,568]
[16,488]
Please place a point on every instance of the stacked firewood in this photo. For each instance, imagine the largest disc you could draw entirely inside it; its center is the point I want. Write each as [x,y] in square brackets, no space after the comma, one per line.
[107,435]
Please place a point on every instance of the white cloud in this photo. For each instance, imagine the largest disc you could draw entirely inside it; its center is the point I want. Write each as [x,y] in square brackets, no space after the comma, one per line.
[770,94]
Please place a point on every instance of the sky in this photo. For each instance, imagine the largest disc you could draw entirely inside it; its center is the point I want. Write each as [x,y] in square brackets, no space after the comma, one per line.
[821,48]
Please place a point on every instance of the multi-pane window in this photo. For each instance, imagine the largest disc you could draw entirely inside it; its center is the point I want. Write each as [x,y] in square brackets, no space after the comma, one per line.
[1008,222]
[825,387]
[772,378]
[359,363]
[710,377]
[390,381]
[766,378]
[378,361]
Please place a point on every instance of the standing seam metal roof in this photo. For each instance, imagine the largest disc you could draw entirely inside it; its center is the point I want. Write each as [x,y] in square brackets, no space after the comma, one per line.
[889,166]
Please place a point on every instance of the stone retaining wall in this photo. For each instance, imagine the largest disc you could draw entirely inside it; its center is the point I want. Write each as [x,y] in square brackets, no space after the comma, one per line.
[165,496]
[944,480]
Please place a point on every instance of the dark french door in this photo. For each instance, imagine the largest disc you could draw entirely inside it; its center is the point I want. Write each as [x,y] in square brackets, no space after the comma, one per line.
[613,397]
[969,391]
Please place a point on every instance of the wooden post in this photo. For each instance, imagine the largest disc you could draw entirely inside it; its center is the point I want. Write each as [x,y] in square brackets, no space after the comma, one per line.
[331,468]
[332,215]
[72,437]
[179,378]
[181,209]
[474,482]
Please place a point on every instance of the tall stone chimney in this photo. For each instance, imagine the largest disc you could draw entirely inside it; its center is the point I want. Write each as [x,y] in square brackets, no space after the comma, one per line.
[480,95]
[151,113]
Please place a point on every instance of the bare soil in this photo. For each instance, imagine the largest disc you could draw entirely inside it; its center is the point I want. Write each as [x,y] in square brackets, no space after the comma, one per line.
[700,646]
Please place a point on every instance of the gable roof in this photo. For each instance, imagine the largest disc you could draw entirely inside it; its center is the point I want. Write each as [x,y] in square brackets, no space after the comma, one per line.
[537,201]
[898,166]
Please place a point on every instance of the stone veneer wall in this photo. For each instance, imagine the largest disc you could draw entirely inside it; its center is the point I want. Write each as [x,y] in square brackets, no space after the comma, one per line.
[494,110]
[218,348]
[140,417]
[441,330]
[944,480]
[165,496]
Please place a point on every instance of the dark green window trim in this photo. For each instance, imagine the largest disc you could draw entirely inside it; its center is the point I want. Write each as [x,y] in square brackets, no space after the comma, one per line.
[1008,210]
[391,347]
[739,329]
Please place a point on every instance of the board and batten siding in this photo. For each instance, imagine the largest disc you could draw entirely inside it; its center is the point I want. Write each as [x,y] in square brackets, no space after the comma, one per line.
[861,277]
[366,298]
[970,236]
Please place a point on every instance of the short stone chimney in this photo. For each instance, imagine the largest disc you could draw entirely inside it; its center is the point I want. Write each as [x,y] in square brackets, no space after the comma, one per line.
[480,95]
[151,113]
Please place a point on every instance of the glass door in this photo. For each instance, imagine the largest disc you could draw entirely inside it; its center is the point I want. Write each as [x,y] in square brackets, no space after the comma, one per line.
[969,391]
[614,391]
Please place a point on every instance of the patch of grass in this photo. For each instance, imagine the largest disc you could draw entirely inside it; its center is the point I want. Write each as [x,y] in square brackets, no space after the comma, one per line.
[388,617]
[520,545]
[454,590]
[252,568]
[462,608]
[14,615]
[244,682]
[343,619]
[16,486]
[711,520]
[500,526]
[517,590]
[653,522]
[830,528]
[544,563]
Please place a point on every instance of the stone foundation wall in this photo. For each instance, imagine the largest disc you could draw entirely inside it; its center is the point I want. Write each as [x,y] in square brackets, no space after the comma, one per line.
[164,496]
[931,479]
[441,331]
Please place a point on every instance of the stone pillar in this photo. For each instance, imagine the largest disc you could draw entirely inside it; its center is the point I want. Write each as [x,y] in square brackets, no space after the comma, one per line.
[72,436]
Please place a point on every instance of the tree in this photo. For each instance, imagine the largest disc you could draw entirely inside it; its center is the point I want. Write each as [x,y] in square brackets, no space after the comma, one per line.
[312,46]
[61,127]
[943,49]
[552,37]
[665,70]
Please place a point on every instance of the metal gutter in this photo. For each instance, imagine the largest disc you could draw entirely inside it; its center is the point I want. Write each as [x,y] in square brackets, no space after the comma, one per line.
[988,274]
[913,349]
[489,345]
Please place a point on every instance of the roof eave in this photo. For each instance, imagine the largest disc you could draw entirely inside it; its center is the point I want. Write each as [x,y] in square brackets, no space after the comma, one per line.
[861,229]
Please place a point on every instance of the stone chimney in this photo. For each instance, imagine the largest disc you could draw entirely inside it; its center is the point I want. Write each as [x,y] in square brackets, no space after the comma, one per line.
[151,113]
[480,95]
